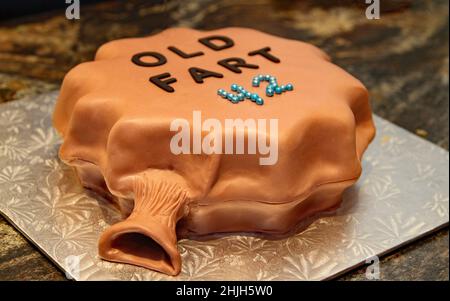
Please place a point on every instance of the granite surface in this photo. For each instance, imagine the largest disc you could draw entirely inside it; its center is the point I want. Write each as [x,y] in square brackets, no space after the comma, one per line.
[402,58]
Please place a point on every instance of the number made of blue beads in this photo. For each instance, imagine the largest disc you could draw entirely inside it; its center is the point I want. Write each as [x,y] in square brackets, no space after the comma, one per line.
[239,93]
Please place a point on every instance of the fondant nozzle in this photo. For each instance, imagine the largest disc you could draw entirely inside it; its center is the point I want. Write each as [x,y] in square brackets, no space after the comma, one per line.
[147,237]
[149,243]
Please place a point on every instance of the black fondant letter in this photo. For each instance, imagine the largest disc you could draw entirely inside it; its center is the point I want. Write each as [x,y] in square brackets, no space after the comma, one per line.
[207,41]
[137,59]
[184,54]
[199,74]
[265,53]
[163,84]
[235,63]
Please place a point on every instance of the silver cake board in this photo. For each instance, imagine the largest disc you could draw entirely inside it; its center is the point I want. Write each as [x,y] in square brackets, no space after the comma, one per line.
[403,194]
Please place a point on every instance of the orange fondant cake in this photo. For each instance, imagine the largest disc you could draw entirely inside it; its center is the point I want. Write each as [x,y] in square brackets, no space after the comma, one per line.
[195,133]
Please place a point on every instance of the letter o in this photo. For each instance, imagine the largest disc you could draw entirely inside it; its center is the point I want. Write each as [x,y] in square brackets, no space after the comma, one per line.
[137,59]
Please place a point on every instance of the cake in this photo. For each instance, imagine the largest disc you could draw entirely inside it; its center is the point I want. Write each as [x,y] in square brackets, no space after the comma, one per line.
[149,124]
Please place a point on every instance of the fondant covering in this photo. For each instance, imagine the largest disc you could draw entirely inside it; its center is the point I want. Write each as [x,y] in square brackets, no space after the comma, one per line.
[114,115]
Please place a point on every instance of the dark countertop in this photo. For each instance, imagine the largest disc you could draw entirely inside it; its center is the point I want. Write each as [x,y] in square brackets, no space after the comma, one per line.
[402,58]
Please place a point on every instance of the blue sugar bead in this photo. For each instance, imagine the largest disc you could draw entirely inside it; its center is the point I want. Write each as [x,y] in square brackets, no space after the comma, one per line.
[267,77]
[234,87]
[255,84]
[289,87]
[283,88]
[254,97]
[259,101]
[272,86]
[235,99]
[248,94]
[241,97]
[278,90]
[260,77]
